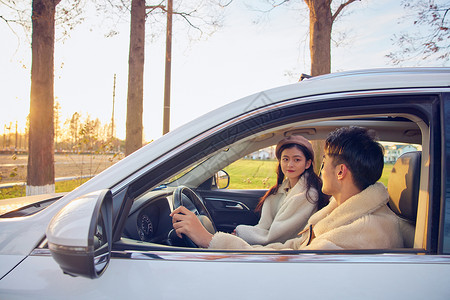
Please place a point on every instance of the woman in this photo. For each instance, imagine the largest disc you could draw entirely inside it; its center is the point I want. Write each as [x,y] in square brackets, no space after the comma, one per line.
[286,207]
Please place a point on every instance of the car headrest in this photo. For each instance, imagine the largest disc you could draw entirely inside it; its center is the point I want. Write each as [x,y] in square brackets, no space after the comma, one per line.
[403,185]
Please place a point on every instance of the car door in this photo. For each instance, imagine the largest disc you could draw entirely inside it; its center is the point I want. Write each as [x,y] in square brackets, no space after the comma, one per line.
[232,207]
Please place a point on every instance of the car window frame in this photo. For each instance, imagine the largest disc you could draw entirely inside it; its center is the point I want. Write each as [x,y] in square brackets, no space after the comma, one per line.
[355,104]
[443,215]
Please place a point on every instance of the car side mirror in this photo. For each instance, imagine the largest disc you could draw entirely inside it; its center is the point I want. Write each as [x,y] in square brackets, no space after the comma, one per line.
[222,179]
[79,235]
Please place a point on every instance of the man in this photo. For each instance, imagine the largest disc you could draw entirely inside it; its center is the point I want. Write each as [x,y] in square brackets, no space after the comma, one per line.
[357,216]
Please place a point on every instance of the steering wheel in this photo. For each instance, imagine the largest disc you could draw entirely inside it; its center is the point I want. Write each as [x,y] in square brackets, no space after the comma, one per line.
[184,196]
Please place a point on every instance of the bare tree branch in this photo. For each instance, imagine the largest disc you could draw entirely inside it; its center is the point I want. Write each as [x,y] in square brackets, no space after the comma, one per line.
[151,8]
[340,8]
[281,3]
[13,30]
[225,5]
[431,36]
[8,20]
[186,16]
[274,5]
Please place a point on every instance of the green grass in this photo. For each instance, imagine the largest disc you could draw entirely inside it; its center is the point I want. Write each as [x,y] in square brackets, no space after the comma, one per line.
[13,192]
[252,174]
[386,172]
[60,187]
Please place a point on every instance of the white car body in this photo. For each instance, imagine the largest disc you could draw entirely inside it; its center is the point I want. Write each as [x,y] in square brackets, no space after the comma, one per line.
[28,270]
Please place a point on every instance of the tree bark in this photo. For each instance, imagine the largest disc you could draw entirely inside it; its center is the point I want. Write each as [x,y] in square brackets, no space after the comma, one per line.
[320,25]
[135,97]
[40,170]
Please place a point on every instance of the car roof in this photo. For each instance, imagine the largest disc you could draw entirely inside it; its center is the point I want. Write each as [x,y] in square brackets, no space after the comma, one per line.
[388,78]
[343,82]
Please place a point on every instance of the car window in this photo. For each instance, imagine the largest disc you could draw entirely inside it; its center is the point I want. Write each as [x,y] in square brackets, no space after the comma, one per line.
[256,170]
[392,152]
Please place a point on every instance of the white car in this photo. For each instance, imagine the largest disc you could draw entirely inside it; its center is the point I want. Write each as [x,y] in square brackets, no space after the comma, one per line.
[111,238]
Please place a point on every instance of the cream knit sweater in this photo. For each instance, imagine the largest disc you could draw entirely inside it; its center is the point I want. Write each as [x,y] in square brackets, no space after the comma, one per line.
[283,215]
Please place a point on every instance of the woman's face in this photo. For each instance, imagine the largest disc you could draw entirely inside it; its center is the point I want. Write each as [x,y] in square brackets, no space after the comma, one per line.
[293,163]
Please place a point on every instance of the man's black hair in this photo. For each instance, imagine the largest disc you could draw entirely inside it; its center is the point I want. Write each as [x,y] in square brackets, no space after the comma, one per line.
[357,148]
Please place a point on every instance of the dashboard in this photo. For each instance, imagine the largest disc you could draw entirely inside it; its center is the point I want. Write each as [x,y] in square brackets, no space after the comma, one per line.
[149,220]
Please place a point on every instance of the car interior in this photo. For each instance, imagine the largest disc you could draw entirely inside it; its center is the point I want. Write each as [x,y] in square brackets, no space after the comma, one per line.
[209,194]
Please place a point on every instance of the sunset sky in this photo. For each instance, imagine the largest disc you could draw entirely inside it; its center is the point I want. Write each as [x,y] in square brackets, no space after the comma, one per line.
[239,59]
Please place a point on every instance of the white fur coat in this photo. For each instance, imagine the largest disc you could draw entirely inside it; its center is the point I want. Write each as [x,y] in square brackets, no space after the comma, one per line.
[283,215]
[362,222]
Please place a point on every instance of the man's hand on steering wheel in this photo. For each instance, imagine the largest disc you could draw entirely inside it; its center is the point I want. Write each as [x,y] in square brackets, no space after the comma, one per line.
[186,222]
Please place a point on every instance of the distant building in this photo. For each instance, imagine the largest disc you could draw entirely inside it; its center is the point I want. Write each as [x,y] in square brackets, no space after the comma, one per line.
[393,152]
[262,154]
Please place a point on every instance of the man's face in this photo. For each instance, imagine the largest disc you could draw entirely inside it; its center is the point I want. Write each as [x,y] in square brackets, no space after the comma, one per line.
[328,175]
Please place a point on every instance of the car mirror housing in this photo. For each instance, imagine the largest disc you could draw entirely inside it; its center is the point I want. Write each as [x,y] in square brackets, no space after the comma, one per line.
[79,235]
[222,179]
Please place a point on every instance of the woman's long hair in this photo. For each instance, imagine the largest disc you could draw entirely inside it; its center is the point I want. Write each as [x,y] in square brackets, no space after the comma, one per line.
[312,179]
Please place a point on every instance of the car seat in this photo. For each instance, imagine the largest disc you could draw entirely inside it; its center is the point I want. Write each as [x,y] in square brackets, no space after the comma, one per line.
[403,189]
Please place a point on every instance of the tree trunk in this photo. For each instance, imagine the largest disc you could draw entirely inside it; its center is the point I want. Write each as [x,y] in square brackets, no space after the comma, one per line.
[135,77]
[168,67]
[320,25]
[41,171]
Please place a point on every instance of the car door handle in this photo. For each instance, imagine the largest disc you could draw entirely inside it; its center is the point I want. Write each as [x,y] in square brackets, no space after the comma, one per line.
[236,206]
[221,203]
